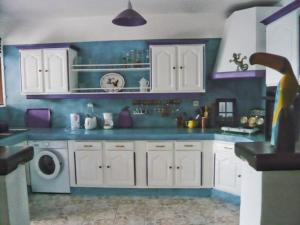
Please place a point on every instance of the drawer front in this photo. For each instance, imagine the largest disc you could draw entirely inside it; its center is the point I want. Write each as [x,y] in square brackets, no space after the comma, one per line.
[224,146]
[188,145]
[160,145]
[49,144]
[88,145]
[120,145]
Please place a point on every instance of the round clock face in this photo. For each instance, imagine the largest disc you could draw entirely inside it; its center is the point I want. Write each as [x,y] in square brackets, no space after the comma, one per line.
[112,82]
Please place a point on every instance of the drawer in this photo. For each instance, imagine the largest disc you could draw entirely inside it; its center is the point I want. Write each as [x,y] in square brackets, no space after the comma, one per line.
[223,146]
[119,145]
[160,145]
[48,144]
[87,145]
[188,145]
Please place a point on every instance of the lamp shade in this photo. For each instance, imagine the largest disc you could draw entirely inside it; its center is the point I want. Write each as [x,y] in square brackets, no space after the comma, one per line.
[129,18]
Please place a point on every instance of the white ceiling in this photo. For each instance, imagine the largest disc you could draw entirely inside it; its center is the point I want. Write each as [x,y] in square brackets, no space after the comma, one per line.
[31,9]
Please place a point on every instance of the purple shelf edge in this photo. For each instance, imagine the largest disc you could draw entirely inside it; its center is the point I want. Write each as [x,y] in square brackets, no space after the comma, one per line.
[239,74]
[50,45]
[118,96]
[281,12]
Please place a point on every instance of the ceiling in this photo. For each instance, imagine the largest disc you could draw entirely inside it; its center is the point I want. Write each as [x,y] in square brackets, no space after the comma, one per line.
[32,9]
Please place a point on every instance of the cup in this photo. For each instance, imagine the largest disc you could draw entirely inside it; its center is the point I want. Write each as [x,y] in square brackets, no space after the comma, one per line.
[191,124]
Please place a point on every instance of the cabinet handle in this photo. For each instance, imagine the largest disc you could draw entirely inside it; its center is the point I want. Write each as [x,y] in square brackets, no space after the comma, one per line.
[46,71]
[40,71]
[120,146]
[174,67]
[181,67]
[160,146]
[88,146]
[178,167]
[100,167]
[107,167]
[189,146]
[239,175]
[228,148]
[170,167]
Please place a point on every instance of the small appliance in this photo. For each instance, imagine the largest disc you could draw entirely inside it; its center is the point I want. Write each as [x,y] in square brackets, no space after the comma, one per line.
[38,118]
[125,119]
[75,121]
[144,85]
[108,122]
[90,123]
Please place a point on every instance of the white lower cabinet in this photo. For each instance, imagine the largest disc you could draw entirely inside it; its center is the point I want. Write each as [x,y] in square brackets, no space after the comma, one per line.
[119,168]
[188,168]
[89,168]
[160,167]
[227,169]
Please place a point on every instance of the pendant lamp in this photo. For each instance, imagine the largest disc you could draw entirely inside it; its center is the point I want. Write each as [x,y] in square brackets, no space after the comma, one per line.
[129,18]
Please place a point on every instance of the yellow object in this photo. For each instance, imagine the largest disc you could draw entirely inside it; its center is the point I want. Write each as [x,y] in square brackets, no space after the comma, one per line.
[191,123]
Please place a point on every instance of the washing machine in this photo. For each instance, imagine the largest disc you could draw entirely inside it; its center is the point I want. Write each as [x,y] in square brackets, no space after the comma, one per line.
[49,169]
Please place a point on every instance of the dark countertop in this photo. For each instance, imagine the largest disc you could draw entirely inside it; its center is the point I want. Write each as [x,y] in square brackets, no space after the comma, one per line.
[11,157]
[263,157]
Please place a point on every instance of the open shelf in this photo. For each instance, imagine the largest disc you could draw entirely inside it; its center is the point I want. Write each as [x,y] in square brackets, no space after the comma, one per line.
[111,67]
[102,90]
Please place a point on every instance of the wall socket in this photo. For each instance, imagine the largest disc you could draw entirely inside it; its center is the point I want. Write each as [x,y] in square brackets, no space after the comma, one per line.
[196,103]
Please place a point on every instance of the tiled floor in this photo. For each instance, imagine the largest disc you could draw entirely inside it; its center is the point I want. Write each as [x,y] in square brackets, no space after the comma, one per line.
[79,210]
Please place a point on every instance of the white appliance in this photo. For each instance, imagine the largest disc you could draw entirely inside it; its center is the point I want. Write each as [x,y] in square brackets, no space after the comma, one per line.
[108,121]
[49,169]
[90,123]
[75,121]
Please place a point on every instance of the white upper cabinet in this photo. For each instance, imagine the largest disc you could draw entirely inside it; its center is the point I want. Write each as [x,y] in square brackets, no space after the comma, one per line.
[188,168]
[164,67]
[46,71]
[32,71]
[177,68]
[56,70]
[119,169]
[191,72]
[283,39]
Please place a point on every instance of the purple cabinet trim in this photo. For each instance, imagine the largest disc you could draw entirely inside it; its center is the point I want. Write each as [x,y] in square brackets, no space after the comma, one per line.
[282,12]
[119,96]
[239,74]
[176,41]
[39,46]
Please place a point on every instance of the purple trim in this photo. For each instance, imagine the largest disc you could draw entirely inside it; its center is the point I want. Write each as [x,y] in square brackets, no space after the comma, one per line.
[281,12]
[119,96]
[239,74]
[39,46]
[177,41]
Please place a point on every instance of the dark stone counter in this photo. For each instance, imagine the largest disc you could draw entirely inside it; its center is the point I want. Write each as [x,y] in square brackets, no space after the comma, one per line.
[11,157]
[263,157]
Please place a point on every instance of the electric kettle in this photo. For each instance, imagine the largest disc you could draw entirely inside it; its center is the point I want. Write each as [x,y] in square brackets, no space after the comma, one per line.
[90,123]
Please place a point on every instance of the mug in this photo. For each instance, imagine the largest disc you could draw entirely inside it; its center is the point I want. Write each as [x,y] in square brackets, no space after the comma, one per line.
[191,123]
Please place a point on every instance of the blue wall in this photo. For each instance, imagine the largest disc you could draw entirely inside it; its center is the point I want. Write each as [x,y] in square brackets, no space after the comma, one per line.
[247,91]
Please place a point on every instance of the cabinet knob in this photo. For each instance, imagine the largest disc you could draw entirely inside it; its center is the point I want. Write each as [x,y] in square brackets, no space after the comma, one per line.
[170,167]
[107,167]
[100,167]
[46,71]
[239,175]
[178,167]
[174,67]
[181,67]
[40,71]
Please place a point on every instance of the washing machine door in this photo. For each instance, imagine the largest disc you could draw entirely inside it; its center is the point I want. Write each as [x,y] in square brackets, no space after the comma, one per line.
[48,165]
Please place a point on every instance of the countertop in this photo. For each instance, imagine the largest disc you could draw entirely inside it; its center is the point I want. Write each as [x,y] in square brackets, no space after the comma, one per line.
[263,157]
[11,157]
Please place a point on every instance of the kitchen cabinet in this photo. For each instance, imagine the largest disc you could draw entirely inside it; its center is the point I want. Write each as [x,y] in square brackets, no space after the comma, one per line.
[283,39]
[160,168]
[46,71]
[119,168]
[177,68]
[188,168]
[89,168]
[227,169]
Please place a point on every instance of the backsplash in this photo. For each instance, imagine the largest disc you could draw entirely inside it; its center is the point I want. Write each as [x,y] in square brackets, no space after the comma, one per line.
[247,91]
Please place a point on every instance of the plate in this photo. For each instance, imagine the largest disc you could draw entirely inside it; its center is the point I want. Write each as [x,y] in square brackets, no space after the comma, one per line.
[112,82]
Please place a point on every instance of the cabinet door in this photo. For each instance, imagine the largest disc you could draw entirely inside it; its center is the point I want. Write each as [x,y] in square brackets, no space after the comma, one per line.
[188,168]
[227,173]
[164,68]
[160,168]
[191,68]
[119,169]
[283,39]
[89,170]
[56,70]
[32,71]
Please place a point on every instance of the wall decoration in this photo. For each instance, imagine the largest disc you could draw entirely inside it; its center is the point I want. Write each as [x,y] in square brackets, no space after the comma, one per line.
[239,61]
